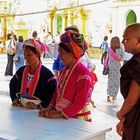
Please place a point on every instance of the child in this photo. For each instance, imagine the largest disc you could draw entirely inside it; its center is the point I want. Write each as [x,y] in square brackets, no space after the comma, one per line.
[129,114]
[104,46]
[94,76]
[94,80]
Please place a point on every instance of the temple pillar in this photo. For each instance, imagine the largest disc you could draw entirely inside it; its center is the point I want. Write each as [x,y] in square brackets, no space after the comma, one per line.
[51,23]
[71,16]
[65,19]
[52,14]
[6,28]
[84,17]
[3,29]
[21,29]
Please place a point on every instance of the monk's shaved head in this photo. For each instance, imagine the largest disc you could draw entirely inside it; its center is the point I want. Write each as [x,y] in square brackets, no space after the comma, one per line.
[134,29]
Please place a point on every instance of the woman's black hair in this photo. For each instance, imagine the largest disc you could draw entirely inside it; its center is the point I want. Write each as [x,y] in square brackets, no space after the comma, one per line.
[20,39]
[62,45]
[33,49]
[34,34]
[8,36]
[15,37]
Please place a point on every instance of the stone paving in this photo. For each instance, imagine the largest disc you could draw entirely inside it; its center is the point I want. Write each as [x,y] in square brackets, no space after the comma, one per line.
[104,111]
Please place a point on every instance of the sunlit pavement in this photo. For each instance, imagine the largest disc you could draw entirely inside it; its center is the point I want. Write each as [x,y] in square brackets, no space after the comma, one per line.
[104,113]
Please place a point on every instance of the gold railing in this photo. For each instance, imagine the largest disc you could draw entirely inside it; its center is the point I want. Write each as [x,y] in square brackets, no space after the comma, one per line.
[94,52]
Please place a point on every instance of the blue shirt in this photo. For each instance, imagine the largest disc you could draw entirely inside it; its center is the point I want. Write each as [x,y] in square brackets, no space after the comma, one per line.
[105,46]
[58,65]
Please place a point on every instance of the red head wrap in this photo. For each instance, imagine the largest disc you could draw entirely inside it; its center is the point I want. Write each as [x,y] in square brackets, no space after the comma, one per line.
[74,42]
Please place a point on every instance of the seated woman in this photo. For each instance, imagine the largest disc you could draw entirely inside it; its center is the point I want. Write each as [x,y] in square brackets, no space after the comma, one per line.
[72,97]
[33,85]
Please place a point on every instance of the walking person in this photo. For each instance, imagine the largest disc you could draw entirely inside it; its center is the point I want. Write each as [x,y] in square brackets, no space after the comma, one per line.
[114,58]
[104,47]
[10,50]
[129,113]
[20,61]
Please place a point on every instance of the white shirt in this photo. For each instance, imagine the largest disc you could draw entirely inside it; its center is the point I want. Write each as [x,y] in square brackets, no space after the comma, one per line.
[127,56]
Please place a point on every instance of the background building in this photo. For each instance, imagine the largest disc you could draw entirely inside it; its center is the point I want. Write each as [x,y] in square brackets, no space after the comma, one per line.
[94,18]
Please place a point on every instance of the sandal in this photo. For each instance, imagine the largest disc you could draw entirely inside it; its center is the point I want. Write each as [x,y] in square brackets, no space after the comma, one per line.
[108,98]
[114,98]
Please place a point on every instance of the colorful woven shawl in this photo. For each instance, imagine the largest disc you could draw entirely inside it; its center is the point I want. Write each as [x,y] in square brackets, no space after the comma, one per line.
[74,41]
[34,81]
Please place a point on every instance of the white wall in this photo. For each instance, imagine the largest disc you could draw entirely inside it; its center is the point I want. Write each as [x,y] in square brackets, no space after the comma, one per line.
[121,18]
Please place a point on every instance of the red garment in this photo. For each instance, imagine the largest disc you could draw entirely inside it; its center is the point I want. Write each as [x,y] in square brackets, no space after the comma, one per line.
[33,83]
[94,79]
[74,92]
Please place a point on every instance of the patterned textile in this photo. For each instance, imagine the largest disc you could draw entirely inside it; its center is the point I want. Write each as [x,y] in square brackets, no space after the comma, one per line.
[74,42]
[85,113]
[44,89]
[34,81]
[75,28]
[40,47]
[114,74]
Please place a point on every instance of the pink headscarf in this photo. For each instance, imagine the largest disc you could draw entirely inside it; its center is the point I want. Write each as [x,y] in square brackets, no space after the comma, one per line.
[40,47]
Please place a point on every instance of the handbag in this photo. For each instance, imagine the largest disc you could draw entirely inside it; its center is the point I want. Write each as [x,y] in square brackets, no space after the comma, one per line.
[105,70]
[16,58]
[11,50]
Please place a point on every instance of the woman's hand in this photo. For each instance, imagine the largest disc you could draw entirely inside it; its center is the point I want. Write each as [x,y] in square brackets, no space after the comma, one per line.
[50,114]
[42,112]
[54,115]
[17,103]
[120,128]
[31,105]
